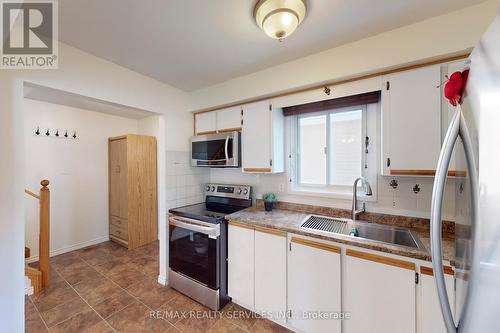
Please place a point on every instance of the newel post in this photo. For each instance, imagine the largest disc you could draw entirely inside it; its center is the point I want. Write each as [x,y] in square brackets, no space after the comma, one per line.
[44,240]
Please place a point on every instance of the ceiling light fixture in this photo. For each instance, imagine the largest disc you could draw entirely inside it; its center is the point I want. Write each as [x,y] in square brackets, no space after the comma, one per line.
[279,18]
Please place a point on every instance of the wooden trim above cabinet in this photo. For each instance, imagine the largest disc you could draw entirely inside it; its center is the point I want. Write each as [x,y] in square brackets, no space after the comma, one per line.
[408,172]
[241,225]
[257,169]
[429,271]
[381,259]
[317,245]
[206,133]
[270,231]
[227,130]
[424,63]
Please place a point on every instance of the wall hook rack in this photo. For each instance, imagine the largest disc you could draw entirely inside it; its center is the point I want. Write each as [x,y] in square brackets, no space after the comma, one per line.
[55,133]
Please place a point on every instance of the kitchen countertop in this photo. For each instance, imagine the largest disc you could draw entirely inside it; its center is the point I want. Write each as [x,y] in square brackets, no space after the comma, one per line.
[290,221]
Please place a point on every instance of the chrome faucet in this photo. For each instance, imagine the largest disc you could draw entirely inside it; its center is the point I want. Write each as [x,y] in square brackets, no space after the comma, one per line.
[368,191]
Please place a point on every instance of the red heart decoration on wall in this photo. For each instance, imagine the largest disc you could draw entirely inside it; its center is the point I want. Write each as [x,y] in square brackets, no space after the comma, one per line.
[454,88]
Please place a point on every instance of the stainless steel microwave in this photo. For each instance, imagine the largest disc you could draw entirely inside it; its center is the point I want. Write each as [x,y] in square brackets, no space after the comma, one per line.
[216,150]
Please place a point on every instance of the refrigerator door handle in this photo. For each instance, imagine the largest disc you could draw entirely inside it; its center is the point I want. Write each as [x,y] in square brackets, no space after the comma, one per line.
[436,224]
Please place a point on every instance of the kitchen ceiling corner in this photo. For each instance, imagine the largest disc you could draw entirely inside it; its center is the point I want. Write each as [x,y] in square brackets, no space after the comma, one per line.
[169,41]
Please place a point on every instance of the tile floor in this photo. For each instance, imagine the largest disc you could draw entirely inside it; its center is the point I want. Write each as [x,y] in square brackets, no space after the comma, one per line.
[106,288]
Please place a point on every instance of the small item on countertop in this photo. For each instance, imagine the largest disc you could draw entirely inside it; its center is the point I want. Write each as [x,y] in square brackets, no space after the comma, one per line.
[269,200]
[354,232]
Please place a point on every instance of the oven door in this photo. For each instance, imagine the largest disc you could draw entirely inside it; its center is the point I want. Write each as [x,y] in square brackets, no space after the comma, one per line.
[216,150]
[194,249]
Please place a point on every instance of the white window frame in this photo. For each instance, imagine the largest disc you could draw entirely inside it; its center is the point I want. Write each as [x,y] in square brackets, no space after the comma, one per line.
[323,190]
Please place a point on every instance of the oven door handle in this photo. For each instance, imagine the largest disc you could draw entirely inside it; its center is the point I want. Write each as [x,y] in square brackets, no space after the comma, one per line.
[212,232]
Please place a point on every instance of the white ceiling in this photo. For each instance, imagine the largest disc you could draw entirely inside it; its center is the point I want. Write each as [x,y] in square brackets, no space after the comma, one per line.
[191,44]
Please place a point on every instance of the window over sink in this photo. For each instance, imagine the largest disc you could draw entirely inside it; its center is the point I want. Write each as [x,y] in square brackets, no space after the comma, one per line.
[329,149]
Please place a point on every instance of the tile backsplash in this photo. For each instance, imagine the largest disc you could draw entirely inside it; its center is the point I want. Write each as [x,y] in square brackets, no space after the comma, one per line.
[184,184]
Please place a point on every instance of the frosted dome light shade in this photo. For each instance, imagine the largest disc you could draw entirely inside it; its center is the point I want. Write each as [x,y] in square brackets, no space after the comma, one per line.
[279,18]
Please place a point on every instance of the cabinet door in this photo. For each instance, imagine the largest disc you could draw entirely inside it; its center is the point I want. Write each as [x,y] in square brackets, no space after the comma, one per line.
[379,294]
[229,119]
[241,265]
[314,285]
[411,121]
[256,137]
[205,123]
[118,199]
[270,273]
[431,320]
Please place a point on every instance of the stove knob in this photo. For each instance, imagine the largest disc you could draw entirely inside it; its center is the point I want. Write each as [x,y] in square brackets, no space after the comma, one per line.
[245,191]
[213,189]
[207,188]
[239,190]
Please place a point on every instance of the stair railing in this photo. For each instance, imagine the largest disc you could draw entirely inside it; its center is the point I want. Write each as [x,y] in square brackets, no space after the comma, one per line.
[44,234]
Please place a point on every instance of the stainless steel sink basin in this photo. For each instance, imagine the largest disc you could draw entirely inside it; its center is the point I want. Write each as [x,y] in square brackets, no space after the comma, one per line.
[371,231]
[387,234]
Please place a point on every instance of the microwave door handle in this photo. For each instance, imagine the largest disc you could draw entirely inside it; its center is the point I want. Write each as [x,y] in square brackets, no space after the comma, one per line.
[436,222]
[225,148]
[219,160]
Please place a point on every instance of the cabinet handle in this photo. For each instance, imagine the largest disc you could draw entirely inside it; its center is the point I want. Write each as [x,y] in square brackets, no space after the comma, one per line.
[388,162]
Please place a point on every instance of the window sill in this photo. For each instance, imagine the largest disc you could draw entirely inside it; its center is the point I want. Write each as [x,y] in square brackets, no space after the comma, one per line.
[339,194]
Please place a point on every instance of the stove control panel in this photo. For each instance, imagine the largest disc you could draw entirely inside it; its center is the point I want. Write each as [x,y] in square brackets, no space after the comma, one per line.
[229,191]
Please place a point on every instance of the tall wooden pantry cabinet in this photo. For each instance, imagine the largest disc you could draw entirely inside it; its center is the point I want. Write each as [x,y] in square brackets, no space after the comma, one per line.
[133,203]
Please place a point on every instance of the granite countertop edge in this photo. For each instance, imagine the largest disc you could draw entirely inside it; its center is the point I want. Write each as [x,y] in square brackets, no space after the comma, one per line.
[290,221]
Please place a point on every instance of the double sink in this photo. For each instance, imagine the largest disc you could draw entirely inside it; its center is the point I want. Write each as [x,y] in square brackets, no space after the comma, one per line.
[363,230]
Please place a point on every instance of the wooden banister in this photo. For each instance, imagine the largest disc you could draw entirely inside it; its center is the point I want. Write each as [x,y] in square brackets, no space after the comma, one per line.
[44,236]
[28,192]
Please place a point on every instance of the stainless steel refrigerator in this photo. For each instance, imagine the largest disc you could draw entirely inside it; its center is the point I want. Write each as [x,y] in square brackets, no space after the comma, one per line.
[472,144]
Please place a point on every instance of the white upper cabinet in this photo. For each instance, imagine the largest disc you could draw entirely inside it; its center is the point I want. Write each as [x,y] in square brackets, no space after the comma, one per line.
[270,272]
[205,123]
[379,294]
[411,121]
[263,137]
[218,121]
[314,285]
[229,119]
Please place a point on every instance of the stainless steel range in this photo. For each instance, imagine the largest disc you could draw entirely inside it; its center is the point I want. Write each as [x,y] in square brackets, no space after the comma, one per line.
[198,243]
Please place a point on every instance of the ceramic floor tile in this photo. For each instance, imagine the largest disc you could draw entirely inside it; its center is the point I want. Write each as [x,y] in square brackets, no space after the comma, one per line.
[127,277]
[113,304]
[224,326]
[137,318]
[56,294]
[151,293]
[267,326]
[64,311]
[240,317]
[86,321]
[94,291]
[176,308]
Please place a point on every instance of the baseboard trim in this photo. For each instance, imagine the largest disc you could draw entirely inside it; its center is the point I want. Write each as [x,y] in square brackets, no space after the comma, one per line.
[71,248]
[162,280]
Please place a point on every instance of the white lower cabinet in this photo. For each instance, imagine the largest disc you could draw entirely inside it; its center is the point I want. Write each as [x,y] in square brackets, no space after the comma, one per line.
[314,286]
[270,273]
[241,245]
[379,294]
[431,320]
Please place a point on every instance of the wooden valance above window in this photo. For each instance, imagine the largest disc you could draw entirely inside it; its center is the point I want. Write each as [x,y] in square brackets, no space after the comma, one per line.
[334,103]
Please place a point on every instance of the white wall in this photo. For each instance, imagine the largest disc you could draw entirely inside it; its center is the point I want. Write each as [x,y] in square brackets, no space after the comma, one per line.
[441,35]
[87,75]
[77,171]
[11,206]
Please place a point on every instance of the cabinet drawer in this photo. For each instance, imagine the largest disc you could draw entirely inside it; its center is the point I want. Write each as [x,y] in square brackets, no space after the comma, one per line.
[118,231]
[121,223]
